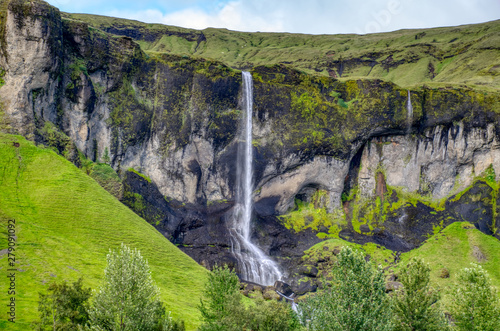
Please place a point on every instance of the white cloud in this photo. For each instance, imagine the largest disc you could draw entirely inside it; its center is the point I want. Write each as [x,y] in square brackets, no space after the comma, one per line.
[323,16]
[232,15]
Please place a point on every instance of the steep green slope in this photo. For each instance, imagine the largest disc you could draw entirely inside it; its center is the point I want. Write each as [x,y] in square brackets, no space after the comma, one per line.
[455,247]
[66,223]
[465,54]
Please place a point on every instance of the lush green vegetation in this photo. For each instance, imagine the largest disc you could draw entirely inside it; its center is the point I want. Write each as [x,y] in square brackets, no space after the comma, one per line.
[63,307]
[415,304]
[222,307]
[313,215]
[476,305]
[440,56]
[128,298]
[66,224]
[446,253]
[454,248]
[356,299]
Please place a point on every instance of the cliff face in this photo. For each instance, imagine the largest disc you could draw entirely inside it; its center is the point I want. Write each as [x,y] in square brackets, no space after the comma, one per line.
[348,148]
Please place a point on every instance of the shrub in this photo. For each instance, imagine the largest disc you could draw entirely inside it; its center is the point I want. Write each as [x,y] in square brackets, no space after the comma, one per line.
[476,305]
[415,304]
[64,307]
[222,308]
[355,301]
[129,298]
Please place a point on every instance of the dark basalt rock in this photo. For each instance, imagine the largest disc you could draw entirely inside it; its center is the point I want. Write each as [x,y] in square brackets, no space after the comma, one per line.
[304,287]
[283,288]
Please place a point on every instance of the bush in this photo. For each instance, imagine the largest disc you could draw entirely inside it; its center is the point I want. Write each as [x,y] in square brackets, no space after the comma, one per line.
[221,295]
[64,307]
[415,304]
[355,301]
[222,308]
[129,298]
[272,316]
[476,305]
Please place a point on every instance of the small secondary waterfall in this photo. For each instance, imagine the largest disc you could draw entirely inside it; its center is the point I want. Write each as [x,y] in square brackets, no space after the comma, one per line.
[256,266]
[409,113]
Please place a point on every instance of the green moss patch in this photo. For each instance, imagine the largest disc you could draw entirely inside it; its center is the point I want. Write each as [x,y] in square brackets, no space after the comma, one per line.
[140,174]
[311,215]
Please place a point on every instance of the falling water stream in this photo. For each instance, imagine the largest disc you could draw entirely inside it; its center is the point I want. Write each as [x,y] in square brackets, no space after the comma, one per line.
[255,265]
[409,119]
[409,113]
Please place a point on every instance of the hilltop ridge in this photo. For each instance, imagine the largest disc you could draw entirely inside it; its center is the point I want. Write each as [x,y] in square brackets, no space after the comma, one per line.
[459,55]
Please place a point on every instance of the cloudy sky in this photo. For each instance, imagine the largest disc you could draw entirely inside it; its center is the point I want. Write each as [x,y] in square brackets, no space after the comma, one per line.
[309,16]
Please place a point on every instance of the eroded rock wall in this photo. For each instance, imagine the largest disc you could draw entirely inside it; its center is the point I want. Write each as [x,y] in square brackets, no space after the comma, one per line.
[439,162]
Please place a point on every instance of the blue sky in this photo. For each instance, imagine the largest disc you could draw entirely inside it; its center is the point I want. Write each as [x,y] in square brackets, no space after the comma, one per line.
[310,16]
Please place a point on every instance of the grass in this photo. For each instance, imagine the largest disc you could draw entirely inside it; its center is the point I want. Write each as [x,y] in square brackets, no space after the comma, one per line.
[453,248]
[453,55]
[66,224]
[378,254]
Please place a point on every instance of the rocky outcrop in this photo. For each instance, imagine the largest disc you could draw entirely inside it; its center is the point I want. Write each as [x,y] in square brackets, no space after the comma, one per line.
[439,162]
[31,55]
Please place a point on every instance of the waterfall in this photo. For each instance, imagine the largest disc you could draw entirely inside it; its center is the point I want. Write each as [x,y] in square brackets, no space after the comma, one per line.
[409,113]
[255,265]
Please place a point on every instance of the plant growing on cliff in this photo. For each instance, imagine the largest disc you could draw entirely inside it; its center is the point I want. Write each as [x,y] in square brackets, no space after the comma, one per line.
[415,305]
[476,305]
[129,297]
[356,300]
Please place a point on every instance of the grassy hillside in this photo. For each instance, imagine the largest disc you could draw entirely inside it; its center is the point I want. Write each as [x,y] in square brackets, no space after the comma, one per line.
[453,248]
[467,54]
[66,224]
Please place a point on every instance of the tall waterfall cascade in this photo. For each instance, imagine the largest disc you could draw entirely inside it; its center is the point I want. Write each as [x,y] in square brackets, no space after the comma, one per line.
[255,265]
[409,113]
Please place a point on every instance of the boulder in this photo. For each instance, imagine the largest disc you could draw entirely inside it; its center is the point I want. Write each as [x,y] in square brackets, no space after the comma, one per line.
[309,271]
[392,286]
[305,287]
[283,288]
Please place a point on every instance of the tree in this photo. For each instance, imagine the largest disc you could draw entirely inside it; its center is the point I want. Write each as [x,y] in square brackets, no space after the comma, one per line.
[272,316]
[415,306]
[222,308]
[64,307]
[129,298]
[356,300]
[475,305]
[221,297]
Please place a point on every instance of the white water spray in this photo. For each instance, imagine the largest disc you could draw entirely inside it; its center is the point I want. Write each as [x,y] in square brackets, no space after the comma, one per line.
[255,265]
[409,113]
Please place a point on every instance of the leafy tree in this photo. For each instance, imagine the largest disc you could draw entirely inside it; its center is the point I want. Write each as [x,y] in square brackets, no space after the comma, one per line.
[476,305]
[272,316]
[129,298]
[222,308]
[415,305]
[221,297]
[356,300]
[64,307]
